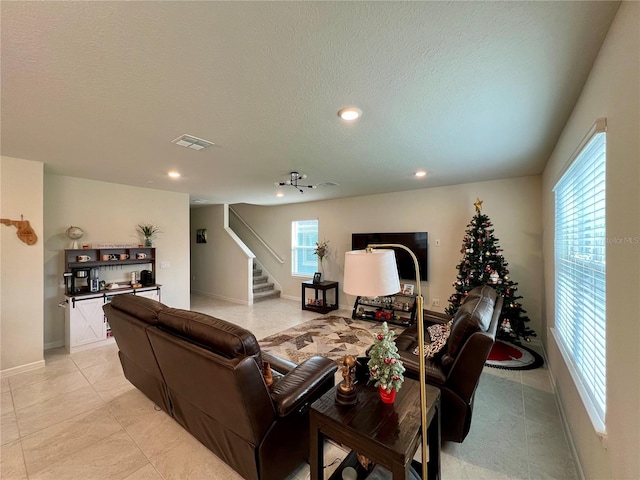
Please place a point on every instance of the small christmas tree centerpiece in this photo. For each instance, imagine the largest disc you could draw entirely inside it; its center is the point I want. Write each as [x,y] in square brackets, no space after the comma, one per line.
[385,366]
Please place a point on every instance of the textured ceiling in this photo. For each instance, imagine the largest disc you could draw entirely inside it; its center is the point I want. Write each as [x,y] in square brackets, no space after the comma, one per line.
[468,91]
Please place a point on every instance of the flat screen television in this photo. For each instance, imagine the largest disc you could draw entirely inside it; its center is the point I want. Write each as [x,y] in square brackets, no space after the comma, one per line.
[414,241]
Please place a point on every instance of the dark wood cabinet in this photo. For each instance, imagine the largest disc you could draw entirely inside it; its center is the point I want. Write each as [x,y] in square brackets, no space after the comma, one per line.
[79,259]
[320,302]
[100,257]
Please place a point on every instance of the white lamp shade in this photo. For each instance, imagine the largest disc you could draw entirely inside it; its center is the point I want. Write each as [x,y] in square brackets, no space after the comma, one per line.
[371,274]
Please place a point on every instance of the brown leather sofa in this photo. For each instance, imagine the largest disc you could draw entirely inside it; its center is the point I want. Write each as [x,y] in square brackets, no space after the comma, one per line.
[456,369]
[207,374]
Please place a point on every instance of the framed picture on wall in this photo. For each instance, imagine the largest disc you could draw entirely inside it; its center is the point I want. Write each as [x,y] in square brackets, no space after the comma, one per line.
[201,235]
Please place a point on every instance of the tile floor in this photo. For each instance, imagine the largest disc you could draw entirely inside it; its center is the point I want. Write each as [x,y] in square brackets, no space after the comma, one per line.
[79,418]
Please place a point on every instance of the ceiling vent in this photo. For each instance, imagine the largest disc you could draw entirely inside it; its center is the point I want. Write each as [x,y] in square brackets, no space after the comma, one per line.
[328,184]
[190,141]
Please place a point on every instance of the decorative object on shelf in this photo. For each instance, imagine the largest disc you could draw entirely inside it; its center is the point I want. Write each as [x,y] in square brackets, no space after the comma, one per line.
[385,367]
[293,182]
[407,289]
[373,272]
[346,392]
[100,245]
[201,235]
[148,232]
[74,234]
[321,251]
[317,277]
[483,264]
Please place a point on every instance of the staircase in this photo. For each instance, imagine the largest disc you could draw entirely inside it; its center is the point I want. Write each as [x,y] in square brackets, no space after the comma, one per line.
[262,288]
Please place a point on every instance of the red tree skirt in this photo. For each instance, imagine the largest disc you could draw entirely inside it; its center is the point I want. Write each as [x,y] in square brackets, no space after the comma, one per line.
[513,357]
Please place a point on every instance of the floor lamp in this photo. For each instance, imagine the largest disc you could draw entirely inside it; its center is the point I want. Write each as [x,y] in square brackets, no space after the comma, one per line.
[374,273]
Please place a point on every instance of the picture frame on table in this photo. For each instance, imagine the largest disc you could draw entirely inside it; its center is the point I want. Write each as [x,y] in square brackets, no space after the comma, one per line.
[407,288]
[317,277]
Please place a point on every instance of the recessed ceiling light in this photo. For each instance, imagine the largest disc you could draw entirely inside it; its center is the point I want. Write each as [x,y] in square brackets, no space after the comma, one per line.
[279,194]
[174,174]
[420,173]
[350,113]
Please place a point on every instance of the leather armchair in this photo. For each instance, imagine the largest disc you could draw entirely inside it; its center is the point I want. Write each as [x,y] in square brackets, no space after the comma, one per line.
[456,370]
[211,371]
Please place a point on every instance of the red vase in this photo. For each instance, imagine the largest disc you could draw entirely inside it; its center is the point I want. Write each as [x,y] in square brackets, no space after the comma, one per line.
[387,397]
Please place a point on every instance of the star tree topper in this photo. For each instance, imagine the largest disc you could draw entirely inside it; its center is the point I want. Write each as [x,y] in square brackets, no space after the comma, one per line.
[478,205]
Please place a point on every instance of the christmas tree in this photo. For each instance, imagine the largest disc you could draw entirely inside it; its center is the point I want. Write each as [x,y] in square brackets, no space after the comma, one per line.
[482,264]
[385,366]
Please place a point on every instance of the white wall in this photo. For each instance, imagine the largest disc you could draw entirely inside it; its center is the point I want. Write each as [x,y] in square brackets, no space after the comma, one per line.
[21,279]
[513,205]
[109,212]
[221,267]
[612,91]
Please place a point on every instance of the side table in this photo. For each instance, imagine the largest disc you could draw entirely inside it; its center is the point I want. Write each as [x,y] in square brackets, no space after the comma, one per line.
[387,434]
[320,305]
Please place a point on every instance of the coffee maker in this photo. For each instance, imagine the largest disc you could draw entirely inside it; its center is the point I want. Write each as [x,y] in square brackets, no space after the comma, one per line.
[79,280]
[94,281]
[146,278]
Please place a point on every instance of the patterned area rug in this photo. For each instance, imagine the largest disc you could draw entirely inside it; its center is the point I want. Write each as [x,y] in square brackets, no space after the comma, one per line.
[328,336]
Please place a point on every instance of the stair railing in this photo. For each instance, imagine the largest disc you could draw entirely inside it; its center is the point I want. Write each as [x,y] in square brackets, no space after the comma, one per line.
[258,237]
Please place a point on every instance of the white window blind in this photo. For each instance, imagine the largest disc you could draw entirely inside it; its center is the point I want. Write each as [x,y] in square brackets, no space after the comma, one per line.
[580,270]
[304,235]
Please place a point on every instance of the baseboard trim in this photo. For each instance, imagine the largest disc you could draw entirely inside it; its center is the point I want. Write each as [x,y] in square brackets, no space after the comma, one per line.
[10,372]
[52,345]
[563,417]
[220,297]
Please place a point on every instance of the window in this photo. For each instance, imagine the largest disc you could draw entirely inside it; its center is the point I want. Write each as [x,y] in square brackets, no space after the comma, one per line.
[580,272]
[304,235]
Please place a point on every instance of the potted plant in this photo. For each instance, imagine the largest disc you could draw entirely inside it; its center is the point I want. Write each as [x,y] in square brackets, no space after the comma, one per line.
[148,231]
[321,251]
[385,366]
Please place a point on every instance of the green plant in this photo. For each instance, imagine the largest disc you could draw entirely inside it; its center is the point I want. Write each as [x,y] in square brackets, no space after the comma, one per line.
[148,230]
[385,366]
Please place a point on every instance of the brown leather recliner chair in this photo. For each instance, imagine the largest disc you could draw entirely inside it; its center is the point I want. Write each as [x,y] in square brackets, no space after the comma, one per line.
[456,369]
[129,318]
[212,375]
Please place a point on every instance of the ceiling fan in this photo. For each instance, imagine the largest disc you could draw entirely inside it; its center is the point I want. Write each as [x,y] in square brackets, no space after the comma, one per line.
[293,182]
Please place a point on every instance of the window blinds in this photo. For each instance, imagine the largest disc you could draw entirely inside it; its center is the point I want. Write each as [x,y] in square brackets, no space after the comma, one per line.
[304,235]
[580,267]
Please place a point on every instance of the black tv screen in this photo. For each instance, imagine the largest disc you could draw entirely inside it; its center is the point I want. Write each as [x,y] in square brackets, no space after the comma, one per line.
[414,241]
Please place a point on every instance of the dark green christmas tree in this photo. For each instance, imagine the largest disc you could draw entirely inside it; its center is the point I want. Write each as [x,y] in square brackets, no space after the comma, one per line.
[482,264]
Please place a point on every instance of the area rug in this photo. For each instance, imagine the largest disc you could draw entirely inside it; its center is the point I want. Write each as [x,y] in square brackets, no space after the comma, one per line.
[510,356]
[329,336]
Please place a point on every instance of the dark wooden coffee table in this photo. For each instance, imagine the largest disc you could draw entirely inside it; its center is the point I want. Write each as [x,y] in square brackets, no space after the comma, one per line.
[387,434]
